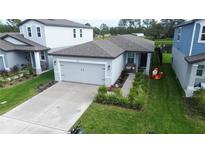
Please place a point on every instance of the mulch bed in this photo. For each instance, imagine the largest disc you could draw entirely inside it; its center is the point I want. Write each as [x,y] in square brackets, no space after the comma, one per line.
[16,82]
[120,81]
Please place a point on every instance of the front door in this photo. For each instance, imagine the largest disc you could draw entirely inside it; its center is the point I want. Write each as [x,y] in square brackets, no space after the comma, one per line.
[143,60]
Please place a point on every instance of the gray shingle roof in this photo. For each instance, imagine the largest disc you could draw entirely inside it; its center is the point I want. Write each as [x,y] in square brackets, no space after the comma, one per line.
[133,43]
[58,22]
[91,49]
[108,48]
[31,46]
[195,58]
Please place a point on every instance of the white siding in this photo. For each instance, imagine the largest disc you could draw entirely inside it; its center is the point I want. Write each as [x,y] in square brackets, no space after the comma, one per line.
[54,36]
[33,24]
[14,41]
[63,36]
[181,67]
[117,67]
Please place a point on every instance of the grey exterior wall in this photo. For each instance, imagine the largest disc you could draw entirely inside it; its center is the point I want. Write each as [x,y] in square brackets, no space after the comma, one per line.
[1,63]
[181,67]
[15,58]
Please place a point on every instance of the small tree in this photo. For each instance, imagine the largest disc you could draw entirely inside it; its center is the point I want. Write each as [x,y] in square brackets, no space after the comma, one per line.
[104,29]
[88,24]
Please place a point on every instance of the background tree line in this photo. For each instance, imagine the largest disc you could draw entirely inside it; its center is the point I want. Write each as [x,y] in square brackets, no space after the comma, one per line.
[150,27]
[156,29]
[9,26]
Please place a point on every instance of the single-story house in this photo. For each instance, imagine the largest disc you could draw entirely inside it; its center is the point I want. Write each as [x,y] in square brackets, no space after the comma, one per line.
[101,62]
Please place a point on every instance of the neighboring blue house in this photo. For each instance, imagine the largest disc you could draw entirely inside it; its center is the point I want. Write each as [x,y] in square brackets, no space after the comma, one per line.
[188,55]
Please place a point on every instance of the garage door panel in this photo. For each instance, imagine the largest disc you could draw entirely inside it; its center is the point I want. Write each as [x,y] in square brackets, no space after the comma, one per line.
[83,72]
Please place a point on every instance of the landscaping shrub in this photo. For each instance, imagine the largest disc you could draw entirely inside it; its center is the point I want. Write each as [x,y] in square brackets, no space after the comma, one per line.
[1,83]
[199,98]
[102,90]
[15,69]
[135,100]
[4,73]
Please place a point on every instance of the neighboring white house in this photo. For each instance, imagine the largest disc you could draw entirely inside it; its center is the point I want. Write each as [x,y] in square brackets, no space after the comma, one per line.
[55,33]
[35,39]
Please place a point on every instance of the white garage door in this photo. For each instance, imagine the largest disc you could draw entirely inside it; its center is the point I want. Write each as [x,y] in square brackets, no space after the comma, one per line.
[83,73]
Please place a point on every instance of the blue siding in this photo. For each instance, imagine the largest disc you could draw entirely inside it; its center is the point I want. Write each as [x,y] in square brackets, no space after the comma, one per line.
[198,47]
[183,44]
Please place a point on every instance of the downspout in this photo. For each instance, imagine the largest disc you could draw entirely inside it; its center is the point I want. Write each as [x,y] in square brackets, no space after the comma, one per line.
[192,40]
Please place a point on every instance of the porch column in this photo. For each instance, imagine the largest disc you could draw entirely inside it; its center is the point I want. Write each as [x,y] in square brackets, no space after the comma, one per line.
[31,58]
[192,77]
[148,63]
[37,62]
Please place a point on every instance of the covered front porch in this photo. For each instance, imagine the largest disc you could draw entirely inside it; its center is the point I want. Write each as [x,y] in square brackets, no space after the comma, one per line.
[39,61]
[135,61]
[196,79]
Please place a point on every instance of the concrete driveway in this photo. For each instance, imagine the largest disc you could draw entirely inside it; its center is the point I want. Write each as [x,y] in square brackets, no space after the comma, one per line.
[53,111]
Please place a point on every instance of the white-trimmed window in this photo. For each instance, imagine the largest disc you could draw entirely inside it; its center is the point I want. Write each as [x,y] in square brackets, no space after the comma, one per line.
[81,33]
[130,58]
[202,34]
[179,32]
[29,31]
[38,29]
[200,71]
[74,33]
[43,56]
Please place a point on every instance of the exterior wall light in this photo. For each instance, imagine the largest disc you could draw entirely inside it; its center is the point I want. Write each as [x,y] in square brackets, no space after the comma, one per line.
[108,67]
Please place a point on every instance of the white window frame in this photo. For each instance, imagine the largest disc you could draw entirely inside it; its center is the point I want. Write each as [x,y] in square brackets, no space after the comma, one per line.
[81,33]
[4,63]
[38,32]
[28,31]
[179,33]
[203,73]
[200,33]
[44,54]
[74,33]
[131,55]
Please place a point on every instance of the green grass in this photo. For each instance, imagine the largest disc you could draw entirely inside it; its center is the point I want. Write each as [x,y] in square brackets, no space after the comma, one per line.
[167,41]
[167,58]
[20,93]
[163,112]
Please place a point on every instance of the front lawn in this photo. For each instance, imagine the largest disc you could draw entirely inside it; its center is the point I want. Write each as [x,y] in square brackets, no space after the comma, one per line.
[14,96]
[162,113]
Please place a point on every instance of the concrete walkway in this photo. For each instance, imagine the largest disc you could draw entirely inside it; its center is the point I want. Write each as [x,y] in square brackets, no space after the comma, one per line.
[128,84]
[55,110]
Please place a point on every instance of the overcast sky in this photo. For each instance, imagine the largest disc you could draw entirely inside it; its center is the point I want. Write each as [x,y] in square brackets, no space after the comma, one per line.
[97,22]
[93,22]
